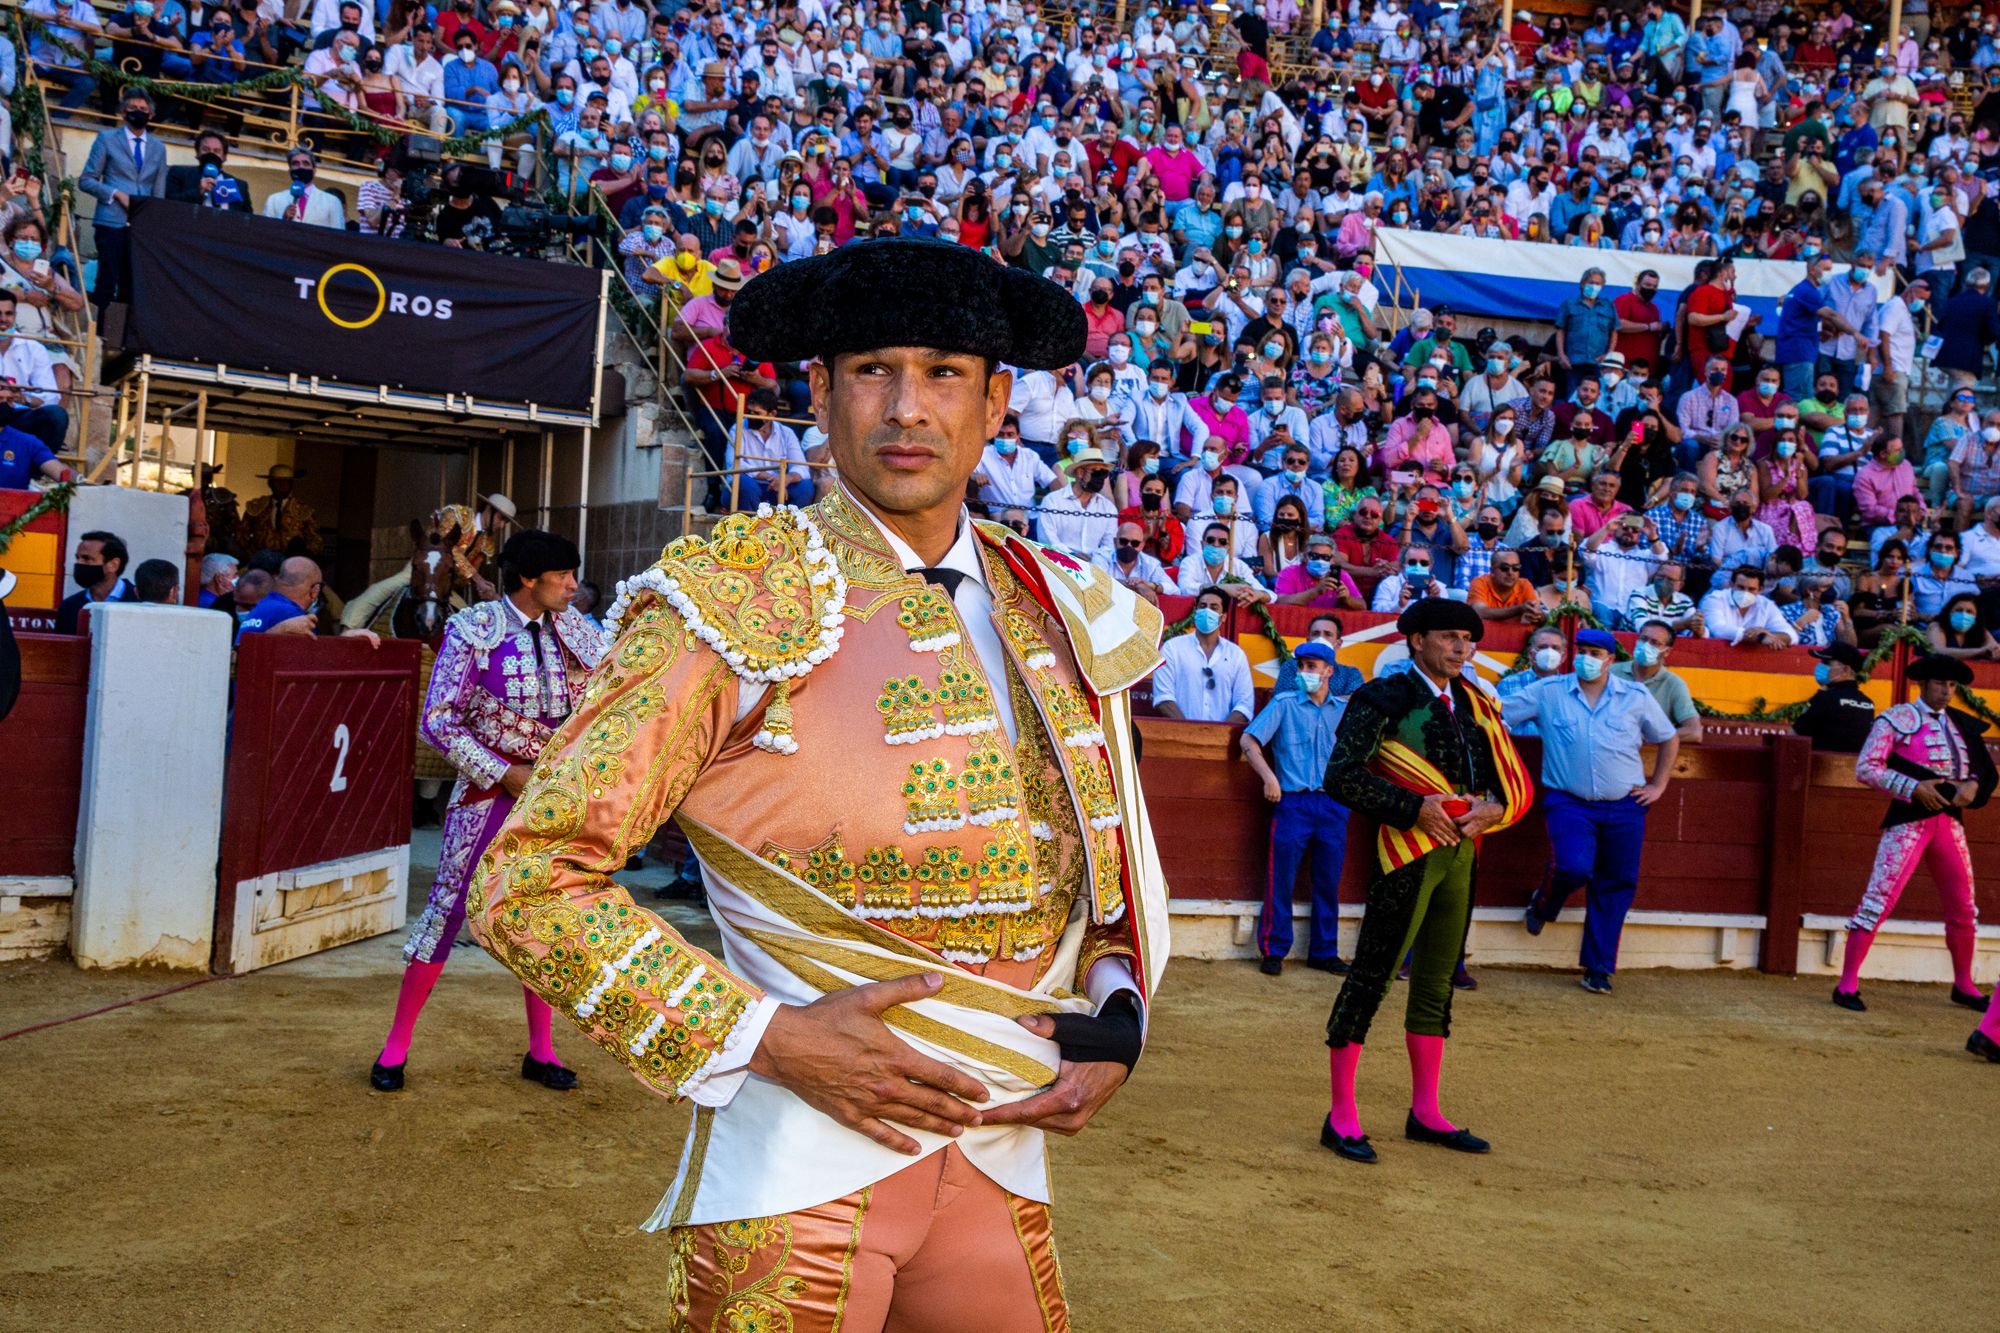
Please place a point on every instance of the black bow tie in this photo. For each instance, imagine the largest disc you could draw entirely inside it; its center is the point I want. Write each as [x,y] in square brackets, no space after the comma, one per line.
[948,579]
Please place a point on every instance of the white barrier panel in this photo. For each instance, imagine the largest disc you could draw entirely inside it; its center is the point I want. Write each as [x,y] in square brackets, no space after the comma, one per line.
[1529,279]
[151,813]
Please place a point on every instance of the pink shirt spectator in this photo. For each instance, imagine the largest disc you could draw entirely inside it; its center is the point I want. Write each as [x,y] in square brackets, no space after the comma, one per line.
[1176,171]
[1356,234]
[1430,451]
[1281,14]
[1877,488]
[1294,578]
[1229,432]
[1585,517]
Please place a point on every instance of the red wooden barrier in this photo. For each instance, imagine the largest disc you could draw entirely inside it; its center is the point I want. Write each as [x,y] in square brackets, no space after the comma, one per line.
[42,781]
[319,770]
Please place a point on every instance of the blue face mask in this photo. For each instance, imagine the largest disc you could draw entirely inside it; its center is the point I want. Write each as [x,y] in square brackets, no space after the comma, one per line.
[28,250]
[1073,447]
[1462,489]
[1207,620]
[1213,556]
[1152,465]
[1006,446]
[1963,620]
[1591,289]
[1645,654]
[1683,501]
[1318,568]
[1943,559]
[1821,674]
[1587,667]
[1417,575]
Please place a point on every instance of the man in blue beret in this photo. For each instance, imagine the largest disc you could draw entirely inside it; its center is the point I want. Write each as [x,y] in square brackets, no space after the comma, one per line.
[1595,792]
[1298,727]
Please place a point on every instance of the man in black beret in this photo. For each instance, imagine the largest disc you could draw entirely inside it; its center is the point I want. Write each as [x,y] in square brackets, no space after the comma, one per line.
[1425,755]
[899,742]
[1931,759]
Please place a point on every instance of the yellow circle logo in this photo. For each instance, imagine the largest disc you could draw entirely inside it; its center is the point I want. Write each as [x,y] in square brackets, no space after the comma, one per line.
[381,296]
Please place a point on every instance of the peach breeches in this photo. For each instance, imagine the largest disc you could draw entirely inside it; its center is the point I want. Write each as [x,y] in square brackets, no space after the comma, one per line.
[937,1246]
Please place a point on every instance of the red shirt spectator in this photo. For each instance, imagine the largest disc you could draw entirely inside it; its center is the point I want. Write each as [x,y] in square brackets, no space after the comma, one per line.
[1121,155]
[724,395]
[1714,340]
[448,25]
[1632,309]
[1748,405]
[1100,322]
[1166,539]
[1362,551]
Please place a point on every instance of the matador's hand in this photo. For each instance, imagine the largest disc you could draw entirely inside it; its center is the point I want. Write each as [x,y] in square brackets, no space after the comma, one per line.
[1434,823]
[1482,816]
[1064,1107]
[841,1058]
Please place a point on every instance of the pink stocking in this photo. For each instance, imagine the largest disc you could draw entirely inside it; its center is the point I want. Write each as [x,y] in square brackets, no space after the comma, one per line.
[1426,1059]
[1990,1024]
[1962,941]
[418,978]
[1857,952]
[541,1042]
[1346,1117]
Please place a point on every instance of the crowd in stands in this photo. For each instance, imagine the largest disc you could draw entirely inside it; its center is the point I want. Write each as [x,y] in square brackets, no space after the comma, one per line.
[1255,411]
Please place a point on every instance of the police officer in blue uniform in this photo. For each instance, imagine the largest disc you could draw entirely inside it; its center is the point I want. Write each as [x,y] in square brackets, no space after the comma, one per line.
[1299,726]
[1595,791]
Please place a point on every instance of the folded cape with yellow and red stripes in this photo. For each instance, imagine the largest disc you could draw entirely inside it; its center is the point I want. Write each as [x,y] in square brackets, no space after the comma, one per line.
[1407,769]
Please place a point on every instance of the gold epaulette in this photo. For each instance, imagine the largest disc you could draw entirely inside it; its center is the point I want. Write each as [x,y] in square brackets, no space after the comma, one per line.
[762,590]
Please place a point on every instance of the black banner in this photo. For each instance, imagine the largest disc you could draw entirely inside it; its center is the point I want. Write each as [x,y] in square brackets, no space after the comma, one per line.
[219,287]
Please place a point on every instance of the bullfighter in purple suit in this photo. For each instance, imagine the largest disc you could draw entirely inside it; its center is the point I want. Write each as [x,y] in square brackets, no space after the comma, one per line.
[508,673]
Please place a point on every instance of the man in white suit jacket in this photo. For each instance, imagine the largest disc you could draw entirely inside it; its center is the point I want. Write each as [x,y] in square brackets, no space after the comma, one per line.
[302,201]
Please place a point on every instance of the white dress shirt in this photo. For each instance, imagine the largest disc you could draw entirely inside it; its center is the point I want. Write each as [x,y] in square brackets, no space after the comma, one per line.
[1719,612]
[1077,527]
[1204,687]
[1014,482]
[1145,569]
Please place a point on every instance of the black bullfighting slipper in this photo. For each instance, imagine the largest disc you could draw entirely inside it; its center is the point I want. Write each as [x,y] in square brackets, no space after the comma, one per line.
[1532,920]
[547,1073]
[1458,1140]
[1847,999]
[1356,1149]
[1464,980]
[386,1078]
[1981,1044]
[1336,965]
[1271,967]
[1971,999]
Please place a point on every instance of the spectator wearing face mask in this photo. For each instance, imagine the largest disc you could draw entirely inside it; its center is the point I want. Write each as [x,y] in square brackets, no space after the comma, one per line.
[1595,792]
[206,183]
[1317,581]
[1838,716]
[1413,583]
[1740,613]
[98,569]
[1547,646]
[1080,519]
[1009,475]
[1204,677]
[1293,481]
[218,581]
[125,163]
[302,201]
[1129,563]
[1213,561]
[1288,746]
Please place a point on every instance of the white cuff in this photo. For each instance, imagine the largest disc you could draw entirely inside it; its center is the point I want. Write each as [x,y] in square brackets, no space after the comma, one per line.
[1108,976]
[716,1082]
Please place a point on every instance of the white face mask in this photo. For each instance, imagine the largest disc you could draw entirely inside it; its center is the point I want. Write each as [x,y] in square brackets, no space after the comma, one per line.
[1503,428]
[1548,659]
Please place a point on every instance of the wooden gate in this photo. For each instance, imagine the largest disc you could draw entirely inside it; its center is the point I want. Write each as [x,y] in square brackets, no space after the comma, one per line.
[316,813]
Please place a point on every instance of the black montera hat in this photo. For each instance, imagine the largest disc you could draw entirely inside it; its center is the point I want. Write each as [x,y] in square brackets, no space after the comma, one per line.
[1433,613]
[906,293]
[1939,667]
[531,554]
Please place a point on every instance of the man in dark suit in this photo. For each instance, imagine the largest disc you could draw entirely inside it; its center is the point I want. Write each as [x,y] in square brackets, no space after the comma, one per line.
[125,163]
[207,183]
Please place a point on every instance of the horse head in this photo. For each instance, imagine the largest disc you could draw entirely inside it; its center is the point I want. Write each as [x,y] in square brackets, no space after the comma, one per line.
[432,578]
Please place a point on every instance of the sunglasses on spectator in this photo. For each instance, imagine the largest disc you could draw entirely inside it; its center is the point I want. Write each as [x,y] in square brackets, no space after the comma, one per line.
[1215,541]
[1506,566]
[1129,544]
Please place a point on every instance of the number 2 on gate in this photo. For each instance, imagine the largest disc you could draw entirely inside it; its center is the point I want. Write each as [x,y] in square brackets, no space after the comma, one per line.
[340,742]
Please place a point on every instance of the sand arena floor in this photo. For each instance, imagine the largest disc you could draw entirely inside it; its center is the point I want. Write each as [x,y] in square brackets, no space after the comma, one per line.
[1701,1151]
